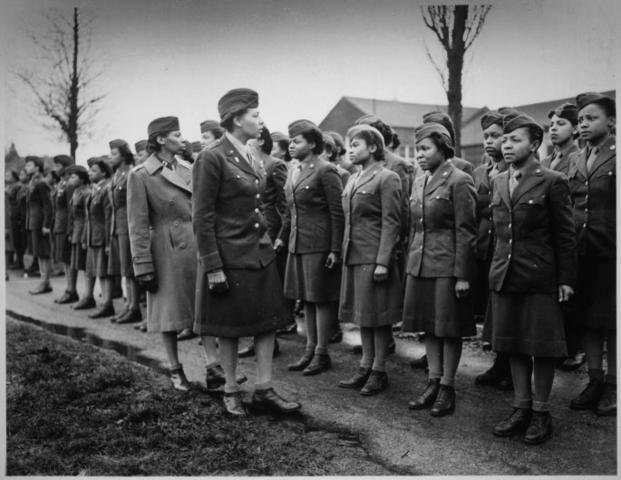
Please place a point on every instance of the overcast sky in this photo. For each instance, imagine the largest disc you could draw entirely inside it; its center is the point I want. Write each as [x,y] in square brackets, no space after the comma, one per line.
[177,57]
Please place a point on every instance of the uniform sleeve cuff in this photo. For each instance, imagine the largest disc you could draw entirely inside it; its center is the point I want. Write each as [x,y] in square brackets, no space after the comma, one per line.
[211,262]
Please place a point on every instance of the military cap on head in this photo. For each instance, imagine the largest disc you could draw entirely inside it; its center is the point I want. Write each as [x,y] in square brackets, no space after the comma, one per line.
[117,143]
[491,118]
[338,139]
[38,161]
[141,145]
[588,98]
[363,127]
[64,160]
[517,120]
[162,126]
[442,119]
[328,140]
[279,136]
[102,164]
[235,101]
[506,110]
[427,129]
[80,171]
[568,111]
[196,147]
[301,126]
[210,125]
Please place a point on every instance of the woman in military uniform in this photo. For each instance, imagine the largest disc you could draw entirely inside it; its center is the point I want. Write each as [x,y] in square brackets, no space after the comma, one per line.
[141,152]
[237,279]
[313,227]
[210,132]
[592,182]
[371,289]
[440,265]
[531,273]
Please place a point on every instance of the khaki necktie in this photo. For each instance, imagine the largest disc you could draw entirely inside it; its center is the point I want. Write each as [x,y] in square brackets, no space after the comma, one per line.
[592,158]
[514,181]
[493,173]
[556,160]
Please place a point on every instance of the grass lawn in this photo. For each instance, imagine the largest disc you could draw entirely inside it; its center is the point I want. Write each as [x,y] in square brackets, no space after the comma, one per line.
[75,409]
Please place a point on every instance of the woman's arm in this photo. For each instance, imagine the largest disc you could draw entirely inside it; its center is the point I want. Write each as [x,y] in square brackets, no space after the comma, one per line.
[138,222]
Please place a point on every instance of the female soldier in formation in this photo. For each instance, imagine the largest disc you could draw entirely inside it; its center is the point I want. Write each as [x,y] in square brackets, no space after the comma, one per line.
[62,228]
[314,227]
[122,160]
[592,181]
[39,221]
[210,132]
[141,152]
[80,182]
[440,265]
[371,282]
[532,271]
[237,272]
[14,186]
[341,153]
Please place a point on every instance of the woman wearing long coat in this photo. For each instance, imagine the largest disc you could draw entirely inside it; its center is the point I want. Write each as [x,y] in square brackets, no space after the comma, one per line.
[238,291]
[313,231]
[371,289]
[440,265]
[592,182]
[532,272]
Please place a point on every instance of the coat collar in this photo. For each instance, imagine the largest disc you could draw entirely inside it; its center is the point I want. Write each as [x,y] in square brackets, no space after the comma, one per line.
[607,150]
[308,168]
[237,158]
[153,165]
[440,176]
[364,177]
[532,175]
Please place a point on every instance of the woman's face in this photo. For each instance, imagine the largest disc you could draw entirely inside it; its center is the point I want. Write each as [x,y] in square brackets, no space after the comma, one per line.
[277,151]
[8,177]
[172,142]
[207,138]
[30,168]
[23,176]
[492,141]
[74,180]
[300,148]
[141,156]
[561,130]
[428,156]
[359,151]
[517,145]
[251,123]
[95,173]
[115,157]
[593,123]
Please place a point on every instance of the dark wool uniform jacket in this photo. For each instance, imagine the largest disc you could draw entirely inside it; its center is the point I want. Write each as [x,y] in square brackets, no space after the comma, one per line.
[230,227]
[405,170]
[535,240]
[563,165]
[98,216]
[463,165]
[118,200]
[314,219]
[62,197]
[443,225]
[77,213]
[274,202]
[593,195]
[39,204]
[372,210]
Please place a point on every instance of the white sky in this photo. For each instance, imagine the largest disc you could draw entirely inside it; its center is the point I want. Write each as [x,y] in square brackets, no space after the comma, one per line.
[177,57]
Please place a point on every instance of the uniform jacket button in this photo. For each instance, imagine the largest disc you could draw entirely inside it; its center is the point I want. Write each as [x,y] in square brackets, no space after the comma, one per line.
[182,245]
[256,210]
[256,225]
[176,223]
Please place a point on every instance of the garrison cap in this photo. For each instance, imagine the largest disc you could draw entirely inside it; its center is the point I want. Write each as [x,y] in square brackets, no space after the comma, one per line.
[208,125]
[379,138]
[329,141]
[443,119]
[587,98]
[568,111]
[141,145]
[64,160]
[196,147]
[506,110]
[338,139]
[162,125]
[38,161]
[117,143]
[491,118]
[427,129]
[236,100]
[80,171]
[279,136]
[517,120]
[301,126]
[369,119]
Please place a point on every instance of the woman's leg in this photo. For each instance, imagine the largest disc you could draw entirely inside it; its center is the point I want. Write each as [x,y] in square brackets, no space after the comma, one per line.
[310,321]
[90,286]
[451,354]
[434,347]
[210,350]
[133,294]
[72,278]
[381,339]
[594,349]
[368,347]
[264,351]
[325,319]
[170,345]
[521,373]
[106,289]
[45,267]
[543,373]
[228,360]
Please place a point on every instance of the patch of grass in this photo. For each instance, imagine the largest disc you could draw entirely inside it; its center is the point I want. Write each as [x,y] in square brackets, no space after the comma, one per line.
[74,409]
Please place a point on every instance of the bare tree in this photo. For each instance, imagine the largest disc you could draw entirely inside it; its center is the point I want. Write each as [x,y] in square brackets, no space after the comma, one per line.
[457,27]
[62,86]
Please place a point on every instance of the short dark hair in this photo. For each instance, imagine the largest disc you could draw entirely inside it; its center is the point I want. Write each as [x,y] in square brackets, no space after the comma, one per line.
[152,145]
[386,131]
[268,143]
[371,139]
[126,154]
[394,144]
[228,124]
[315,136]
[535,134]
[440,141]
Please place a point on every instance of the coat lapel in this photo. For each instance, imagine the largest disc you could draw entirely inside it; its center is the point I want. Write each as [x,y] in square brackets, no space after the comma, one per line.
[606,152]
[366,177]
[306,172]
[236,158]
[532,177]
[438,178]
[153,164]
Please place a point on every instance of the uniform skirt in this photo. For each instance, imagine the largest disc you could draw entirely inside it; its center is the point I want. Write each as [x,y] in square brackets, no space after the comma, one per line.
[62,248]
[40,245]
[253,305]
[307,278]
[430,306]
[368,303]
[527,323]
[113,268]
[78,257]
[96,262]
[125,256]
[595,302]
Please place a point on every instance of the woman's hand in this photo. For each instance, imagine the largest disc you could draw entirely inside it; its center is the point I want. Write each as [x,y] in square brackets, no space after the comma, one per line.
[381,273]
[462,288]
[45,231]
[565,292]
[217,281]
[332,260]
[278,245]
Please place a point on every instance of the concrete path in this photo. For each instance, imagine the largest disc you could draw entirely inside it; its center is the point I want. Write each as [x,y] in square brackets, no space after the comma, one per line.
[405,442]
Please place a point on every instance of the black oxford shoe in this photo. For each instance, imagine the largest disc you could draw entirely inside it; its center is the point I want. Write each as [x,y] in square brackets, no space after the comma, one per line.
[178,379]
[106,310]
[43,287]
[445,402]
[607,404]
[517,422]
[131,316]
[214,377]
[233,404]
[589,397]
[357,380]
[85,304]
[426,399]
[320,363]
[68,297]
[377,382]
[302,363]
[270,400]
[540,428]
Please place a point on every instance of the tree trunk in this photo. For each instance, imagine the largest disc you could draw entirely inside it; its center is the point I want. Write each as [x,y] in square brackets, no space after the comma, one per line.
[72,134]
[455,66]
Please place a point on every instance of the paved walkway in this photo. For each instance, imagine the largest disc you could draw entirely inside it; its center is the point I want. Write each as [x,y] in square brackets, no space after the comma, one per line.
[405,442]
